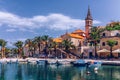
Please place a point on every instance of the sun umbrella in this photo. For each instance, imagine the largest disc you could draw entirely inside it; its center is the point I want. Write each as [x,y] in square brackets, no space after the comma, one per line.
[103,50]
[116,51]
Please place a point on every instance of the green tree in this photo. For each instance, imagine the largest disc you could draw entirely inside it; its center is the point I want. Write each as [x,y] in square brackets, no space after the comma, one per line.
[7,51]
[34,46]
[29,43]
[2,44]
[111,43]
[54,45]
[95,37]
[14,51]
[46,39]
[39,42]
[109,28]
[67,44]
[19,45]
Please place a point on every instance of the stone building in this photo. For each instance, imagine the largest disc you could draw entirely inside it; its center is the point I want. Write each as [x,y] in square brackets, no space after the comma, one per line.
[105,36]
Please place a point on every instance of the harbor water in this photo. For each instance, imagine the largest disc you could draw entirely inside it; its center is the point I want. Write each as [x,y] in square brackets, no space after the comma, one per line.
[25,71]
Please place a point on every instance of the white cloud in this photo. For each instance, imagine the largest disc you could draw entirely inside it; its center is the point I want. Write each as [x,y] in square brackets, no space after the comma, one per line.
[51,21]
[10,30]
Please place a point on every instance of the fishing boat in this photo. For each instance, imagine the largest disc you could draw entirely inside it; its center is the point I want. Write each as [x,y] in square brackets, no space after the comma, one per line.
[52,62]
[80,63]
[64,62]
[41,62]
[12,61]
[3,61]
[95,64]
[31,61]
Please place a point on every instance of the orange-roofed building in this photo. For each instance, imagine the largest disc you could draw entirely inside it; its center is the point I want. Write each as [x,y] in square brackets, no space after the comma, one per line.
[58,40]
[74,37]
[79,32]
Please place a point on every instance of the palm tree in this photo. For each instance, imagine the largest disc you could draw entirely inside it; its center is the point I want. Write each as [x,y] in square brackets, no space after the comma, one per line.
[95,37]
[54,45]
[39,41]
[111,43]
[46,39]
[14,51]
[7,51]
[3,44]
[29,43]
[67,45]
[34,46]
[19,45]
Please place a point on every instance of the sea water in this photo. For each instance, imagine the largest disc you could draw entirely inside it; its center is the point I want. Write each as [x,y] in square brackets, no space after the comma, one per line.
[24,71]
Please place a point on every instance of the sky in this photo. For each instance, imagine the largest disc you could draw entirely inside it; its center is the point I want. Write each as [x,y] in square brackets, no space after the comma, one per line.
[25,19]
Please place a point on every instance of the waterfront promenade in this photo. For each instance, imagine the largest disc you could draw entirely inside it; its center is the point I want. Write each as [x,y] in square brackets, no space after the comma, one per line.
[104,62]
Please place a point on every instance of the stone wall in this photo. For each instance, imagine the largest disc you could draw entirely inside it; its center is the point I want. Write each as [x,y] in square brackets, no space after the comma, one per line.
[106,46]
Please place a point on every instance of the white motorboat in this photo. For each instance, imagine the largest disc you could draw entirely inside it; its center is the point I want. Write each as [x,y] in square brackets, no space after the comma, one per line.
[41,62]
[80,63]
[95,64]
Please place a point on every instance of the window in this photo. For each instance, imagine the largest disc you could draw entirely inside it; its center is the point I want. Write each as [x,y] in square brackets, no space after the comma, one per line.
[103,44]
[117,34]
[116,43]
[98,41]
[103,35]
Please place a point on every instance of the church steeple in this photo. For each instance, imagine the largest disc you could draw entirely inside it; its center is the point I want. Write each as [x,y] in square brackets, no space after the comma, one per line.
[88,23]
[89,17]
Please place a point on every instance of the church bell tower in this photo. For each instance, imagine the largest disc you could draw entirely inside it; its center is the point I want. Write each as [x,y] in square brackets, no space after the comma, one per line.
[88,23]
